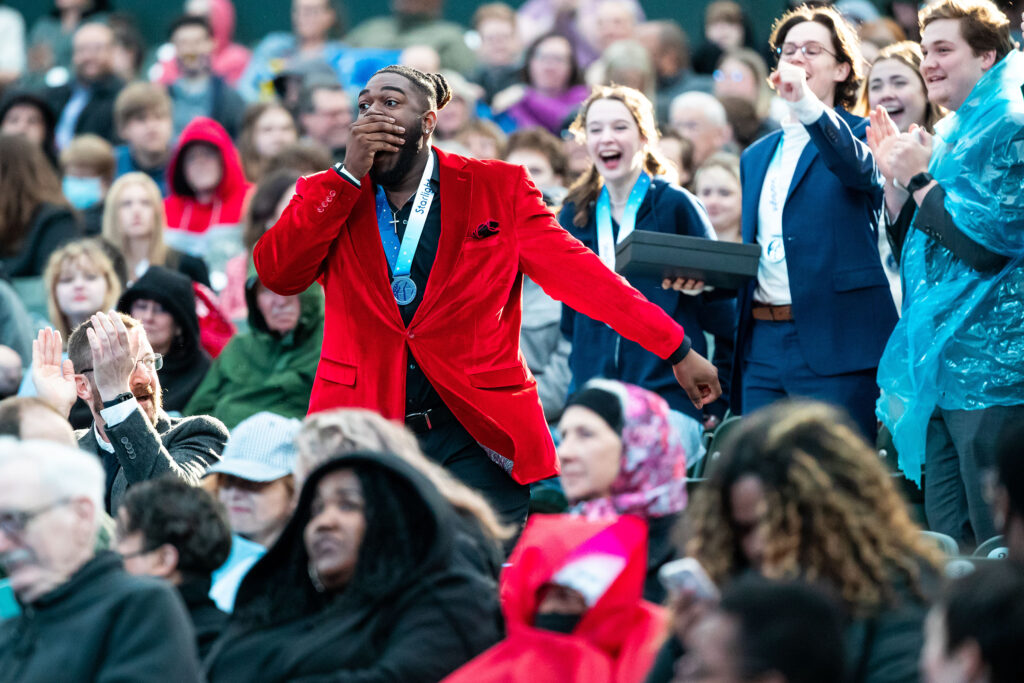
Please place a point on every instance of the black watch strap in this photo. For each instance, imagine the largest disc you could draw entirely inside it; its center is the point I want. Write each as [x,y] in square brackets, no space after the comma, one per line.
[120,398]
[918,181]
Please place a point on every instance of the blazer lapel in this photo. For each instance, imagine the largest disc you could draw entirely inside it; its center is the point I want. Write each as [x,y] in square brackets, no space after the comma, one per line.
[456,187]
[758,168]
[365,238]
[803,163]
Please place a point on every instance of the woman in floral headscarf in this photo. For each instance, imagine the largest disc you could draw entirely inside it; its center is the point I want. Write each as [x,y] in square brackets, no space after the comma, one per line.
[620,455]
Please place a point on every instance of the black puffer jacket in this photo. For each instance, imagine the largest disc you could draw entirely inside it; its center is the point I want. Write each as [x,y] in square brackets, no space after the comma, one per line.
[186,364]
[435,618]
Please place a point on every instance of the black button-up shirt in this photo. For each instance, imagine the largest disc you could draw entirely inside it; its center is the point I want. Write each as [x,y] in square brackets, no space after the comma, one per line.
[420,395]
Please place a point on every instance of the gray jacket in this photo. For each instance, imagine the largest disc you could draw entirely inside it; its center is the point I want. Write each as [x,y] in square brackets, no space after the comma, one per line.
[182,446]
[545,348]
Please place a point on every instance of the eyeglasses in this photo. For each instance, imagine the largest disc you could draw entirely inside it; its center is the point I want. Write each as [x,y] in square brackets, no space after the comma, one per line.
[137,553]
[14,523]
[735,75]
[152,362]
[809,49]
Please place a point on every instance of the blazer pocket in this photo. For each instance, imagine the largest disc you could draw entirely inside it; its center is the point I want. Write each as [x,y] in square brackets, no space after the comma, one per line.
[498,378]
[336,371]
[472,243]
[859,278]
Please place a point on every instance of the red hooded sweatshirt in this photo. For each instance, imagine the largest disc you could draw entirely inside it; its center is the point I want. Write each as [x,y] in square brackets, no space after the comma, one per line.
[617,638]
[207,229]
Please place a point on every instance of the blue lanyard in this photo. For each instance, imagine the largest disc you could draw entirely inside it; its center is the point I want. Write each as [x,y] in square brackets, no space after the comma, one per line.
[605,240]
[400,255]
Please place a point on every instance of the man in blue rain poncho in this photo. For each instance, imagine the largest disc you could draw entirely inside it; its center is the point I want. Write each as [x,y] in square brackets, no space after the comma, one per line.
[952,375]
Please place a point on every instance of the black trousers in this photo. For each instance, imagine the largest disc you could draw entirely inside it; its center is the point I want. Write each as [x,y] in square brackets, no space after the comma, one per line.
[959,467]
[451,446]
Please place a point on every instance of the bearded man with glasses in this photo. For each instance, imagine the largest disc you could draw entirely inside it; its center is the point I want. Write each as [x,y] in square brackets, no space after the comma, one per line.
[816,319]
[131,434]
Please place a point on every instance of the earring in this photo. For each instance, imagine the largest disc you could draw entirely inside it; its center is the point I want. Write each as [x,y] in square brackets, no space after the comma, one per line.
[315,578]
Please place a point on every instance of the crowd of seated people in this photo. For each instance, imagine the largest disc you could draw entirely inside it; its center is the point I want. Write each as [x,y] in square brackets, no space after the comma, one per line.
[851,508]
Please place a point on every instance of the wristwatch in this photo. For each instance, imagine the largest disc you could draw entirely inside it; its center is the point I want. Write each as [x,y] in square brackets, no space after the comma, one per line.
[120,398]
[919,181]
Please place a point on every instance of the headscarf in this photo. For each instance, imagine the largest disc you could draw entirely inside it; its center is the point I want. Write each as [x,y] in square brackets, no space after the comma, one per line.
[959,343]
[652,474]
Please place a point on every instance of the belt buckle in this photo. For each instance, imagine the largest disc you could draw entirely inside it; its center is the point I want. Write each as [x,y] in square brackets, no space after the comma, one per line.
[414,417]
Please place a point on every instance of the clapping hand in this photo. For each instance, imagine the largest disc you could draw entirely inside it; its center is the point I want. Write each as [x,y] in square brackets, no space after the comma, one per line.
[910,154]
[54,378]
[882,133]
[112,359]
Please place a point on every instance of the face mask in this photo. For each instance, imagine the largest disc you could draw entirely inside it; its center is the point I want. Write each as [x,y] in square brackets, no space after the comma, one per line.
[559,623]
[82,192]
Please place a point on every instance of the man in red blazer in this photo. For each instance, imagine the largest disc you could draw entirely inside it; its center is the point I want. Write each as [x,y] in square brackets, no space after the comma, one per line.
[422,255]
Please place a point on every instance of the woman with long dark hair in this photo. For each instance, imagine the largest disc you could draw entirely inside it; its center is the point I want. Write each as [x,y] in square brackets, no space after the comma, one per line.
[551,86]
[35,218]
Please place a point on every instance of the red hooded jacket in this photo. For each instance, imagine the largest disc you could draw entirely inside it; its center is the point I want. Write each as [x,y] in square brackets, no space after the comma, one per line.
[212,231]
[618,637]
[184,212]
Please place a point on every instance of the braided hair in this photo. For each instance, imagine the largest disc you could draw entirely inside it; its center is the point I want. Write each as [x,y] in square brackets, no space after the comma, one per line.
[434,87]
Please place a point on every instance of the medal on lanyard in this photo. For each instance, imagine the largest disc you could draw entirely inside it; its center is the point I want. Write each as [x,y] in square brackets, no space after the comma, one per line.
[605,241]
[400,255]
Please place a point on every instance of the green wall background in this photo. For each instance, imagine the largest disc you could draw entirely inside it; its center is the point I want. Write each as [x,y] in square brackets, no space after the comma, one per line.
[258,17]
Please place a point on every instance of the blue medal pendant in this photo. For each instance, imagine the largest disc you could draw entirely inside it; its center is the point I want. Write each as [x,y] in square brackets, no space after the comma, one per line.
[404,290]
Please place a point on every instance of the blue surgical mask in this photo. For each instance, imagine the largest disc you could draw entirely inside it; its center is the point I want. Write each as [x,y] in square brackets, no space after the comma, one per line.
[82,192]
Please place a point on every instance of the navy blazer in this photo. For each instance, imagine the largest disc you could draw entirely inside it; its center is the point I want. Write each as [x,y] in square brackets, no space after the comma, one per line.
[597,350]
[842,307]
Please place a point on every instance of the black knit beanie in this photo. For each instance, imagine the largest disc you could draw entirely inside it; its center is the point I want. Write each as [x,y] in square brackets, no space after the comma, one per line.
[604,403]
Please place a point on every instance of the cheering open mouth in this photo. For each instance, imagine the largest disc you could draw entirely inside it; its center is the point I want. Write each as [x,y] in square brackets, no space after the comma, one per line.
[610,158]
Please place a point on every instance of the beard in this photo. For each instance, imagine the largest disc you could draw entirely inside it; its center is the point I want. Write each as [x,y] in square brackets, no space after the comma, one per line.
[404,163]
[152,407]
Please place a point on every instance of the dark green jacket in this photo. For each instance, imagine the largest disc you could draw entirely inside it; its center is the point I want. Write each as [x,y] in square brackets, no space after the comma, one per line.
[262,370]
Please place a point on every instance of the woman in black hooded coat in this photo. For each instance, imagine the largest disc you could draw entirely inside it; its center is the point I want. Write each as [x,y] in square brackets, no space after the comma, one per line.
[185,361]
[361,586]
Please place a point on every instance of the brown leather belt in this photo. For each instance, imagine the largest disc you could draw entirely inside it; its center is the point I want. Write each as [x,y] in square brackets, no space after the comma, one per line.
[776,313]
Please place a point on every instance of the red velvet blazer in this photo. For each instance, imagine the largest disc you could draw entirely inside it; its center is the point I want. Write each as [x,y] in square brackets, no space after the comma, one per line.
[465,334]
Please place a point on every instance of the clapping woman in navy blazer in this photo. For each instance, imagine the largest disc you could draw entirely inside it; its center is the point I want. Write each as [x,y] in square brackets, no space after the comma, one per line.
[630,186]
[817,317]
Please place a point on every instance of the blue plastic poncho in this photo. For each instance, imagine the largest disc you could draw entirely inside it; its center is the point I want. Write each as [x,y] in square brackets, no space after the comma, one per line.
[960,342]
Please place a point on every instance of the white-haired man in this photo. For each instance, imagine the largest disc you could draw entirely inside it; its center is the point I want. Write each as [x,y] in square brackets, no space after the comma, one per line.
[84,618]
[700,118]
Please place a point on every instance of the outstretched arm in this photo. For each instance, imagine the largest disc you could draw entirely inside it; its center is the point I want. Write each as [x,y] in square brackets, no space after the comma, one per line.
[573,274]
